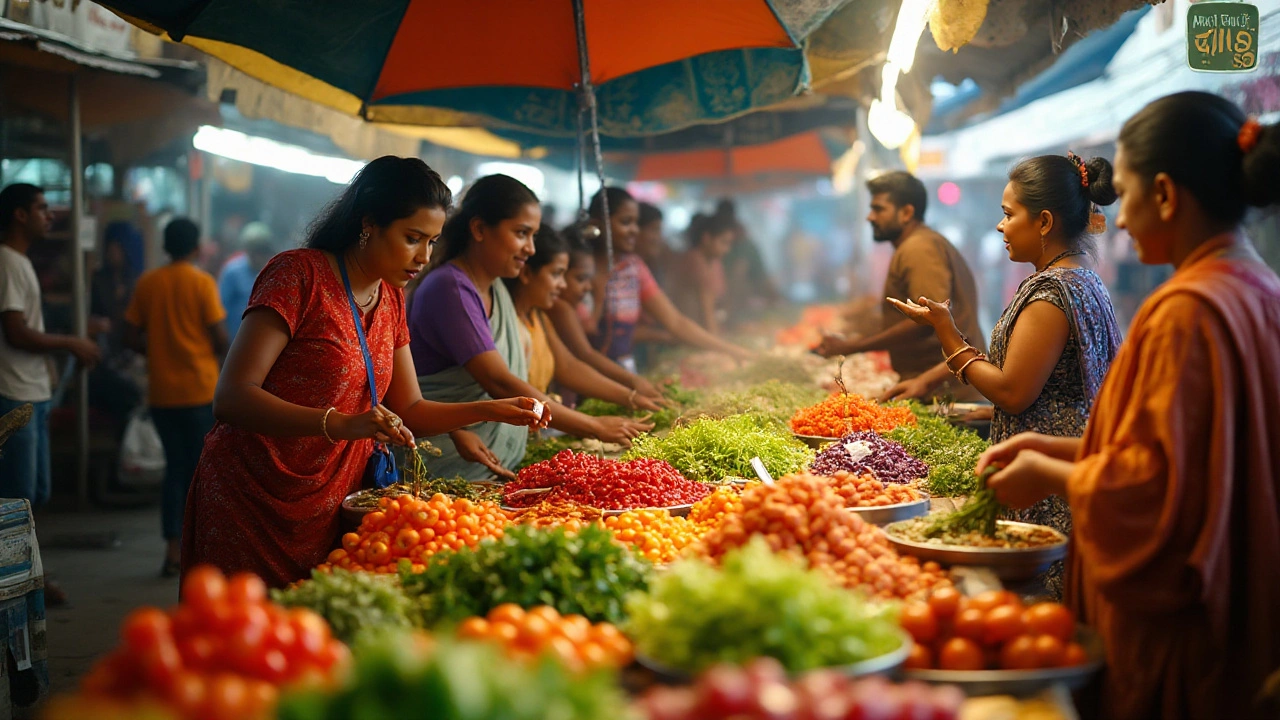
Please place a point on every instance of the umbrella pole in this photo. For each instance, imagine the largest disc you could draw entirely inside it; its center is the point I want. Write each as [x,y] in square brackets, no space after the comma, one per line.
[589,103]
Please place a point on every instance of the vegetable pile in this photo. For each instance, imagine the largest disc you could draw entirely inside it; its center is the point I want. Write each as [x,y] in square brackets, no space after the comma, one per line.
[805,515]
[842,414]
[678,400]
[866,452]
[756,604]
[581,479]
[410,529]
[773,400]
[991,630]
[454,487]
[459,681]
[711,450]
[867,491]
[950,452]
[711,511]
[223,654]
[547,515]
[540,449]
[762,691]
[351,602]
[587,573]
[655,534]
[1005,536]
[571,639]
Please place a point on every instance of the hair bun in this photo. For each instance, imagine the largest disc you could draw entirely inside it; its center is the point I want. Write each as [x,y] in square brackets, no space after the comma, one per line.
[1260,181]
[1100,189]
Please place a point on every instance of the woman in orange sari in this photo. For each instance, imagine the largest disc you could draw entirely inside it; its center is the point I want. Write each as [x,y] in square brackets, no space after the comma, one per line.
[1174,487]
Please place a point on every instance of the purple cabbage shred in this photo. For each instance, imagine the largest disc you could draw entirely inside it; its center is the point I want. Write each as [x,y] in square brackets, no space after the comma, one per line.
[888,460]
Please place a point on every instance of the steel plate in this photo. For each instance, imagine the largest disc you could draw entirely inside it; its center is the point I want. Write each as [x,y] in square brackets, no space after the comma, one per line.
[885,514]
[1013,563]
[1021,683]
[883,665]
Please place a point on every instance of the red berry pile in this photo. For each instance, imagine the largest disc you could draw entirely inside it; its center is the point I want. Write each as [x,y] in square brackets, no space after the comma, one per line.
[582,479]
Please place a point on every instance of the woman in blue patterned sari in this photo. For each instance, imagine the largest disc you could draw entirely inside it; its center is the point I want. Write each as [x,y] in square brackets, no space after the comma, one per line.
[1052,346]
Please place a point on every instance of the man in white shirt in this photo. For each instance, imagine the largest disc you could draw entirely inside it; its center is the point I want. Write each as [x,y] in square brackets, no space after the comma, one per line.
[25,346]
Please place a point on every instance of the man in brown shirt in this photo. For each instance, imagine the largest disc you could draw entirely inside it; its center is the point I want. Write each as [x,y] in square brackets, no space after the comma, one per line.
[924,264]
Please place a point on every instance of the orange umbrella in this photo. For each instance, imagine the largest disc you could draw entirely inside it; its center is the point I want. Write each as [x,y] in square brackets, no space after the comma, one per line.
[803,154]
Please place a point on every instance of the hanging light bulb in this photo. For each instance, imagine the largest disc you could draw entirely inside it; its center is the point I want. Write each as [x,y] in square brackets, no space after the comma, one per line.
[889,125]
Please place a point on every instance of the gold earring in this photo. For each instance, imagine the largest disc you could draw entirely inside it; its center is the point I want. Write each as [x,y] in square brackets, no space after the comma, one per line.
[364,238]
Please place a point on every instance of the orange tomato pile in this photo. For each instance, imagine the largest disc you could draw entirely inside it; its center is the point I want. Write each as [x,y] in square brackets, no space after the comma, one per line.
[546,515]
[842,414]
[414,529]
[224,653]
[992,630]
[571,639]
[653,533]
[710,512]
[804,514]
[867,491]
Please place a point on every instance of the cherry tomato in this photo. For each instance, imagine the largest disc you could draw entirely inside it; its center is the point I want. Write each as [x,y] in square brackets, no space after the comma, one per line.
[1050,651]
[228,696]
[1074,655]
[988,600]
[971,623]
[187,694]
[503,631]
[146,628]
[960,653]
[203,586]
[546,612]
[1020,654]
[920,658]
[1002,623]
[246,589]
[535,631]
[473,628]
[918,620]
[507,612]
[945,602]
[1050,619]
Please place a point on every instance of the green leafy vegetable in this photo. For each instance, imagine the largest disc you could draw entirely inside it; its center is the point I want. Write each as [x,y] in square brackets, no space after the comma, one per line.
[771,367]
[586,573]
[459,681]
[351,602]
[678,397]
[978,514]
[757,603]
[950,452]
[773,400]
[710,450]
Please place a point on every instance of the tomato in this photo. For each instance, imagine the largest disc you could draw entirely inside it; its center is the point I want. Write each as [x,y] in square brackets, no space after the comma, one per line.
[473,628]
[313,631]
[535,631]
[261,698]
[197,652]
[407,539]
[988,600]
[593,654]
[503,631]
[918,620]
[161,665]
[187,694]
[203,586]
[920,658]
[1050,651]
[1050,619]
[247,589]
[1020,654]
[1074,655]
[507,612]
[271,666]
[546,612]
[146,628]
[945,602]
[960,653]
[1002,623]
[565,652]
[971,623]
[575,627]
[228,696]
[379,553]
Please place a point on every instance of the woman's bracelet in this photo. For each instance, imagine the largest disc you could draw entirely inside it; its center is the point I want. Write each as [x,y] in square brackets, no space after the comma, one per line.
[324,426]
[972,360]
[953,355]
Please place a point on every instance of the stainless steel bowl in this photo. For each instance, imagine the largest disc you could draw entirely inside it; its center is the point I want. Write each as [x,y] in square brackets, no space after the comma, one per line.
[885,514]
[1006,563]
[1021,683]
[814,441]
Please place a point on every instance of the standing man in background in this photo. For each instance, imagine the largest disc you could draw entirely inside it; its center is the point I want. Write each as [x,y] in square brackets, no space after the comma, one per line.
[924,264]
[236,281]
[176,320]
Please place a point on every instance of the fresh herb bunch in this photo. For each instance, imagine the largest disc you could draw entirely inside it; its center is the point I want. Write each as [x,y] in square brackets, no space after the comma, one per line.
[458,680]
[544,449]
[774,400]
[678,400]
[950,452]
[978,514]
[756,603]
[586,573]
[352,602]
[710,450]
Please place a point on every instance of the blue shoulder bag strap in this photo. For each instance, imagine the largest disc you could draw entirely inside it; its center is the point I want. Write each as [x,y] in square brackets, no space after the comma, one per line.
[381,470]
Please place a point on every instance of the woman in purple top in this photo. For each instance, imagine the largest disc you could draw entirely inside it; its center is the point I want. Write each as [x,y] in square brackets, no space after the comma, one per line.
[465,333]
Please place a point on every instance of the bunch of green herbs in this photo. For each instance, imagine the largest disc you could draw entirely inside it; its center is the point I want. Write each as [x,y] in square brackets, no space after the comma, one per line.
[710,449]
[352,602]
[774,400]
[678,401]
[978,514]
[950,452]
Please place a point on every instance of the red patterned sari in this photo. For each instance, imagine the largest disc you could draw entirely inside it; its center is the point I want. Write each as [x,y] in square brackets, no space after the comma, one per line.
[271,505]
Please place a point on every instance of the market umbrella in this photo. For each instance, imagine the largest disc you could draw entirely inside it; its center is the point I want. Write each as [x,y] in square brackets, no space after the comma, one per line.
[805,154]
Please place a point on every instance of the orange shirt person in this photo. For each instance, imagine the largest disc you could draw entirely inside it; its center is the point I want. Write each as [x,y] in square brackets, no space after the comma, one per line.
[1175,486]
[177,321]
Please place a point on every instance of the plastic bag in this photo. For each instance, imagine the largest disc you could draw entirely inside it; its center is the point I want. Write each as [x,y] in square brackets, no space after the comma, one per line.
[141,452]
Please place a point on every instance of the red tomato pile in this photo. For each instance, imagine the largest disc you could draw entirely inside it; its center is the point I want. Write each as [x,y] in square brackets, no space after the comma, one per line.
[803,513]
[762,690]
[412,529]
[867,491]
[583,479]
[224,653]
[992,630]
[541,630]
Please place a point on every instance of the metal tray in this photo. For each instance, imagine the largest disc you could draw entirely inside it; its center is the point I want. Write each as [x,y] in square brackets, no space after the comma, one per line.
[885,514]
[814,441]
[1021,683]
[1015,563]
[886,664]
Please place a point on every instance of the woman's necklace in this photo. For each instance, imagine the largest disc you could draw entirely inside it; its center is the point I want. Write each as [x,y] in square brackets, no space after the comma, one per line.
[1061,256]
[373,294]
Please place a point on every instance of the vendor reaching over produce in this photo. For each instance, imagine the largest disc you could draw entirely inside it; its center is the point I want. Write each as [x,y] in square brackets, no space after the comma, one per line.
[296,417]
[1174,487]
[622,295]
[924,264]
[534,291]
[1053,344]
[465,332]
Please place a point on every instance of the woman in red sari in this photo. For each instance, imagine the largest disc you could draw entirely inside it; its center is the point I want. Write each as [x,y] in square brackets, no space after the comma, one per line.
[1175,486]
[295,420]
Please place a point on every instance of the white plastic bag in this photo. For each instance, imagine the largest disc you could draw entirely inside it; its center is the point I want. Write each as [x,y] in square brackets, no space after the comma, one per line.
[141,452]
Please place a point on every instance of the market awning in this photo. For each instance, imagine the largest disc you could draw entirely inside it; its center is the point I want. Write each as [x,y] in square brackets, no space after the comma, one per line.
[805,154]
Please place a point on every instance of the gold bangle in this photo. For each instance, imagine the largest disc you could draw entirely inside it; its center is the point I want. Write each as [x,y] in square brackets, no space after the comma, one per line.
[324,426]
[953,355]
[972,360]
